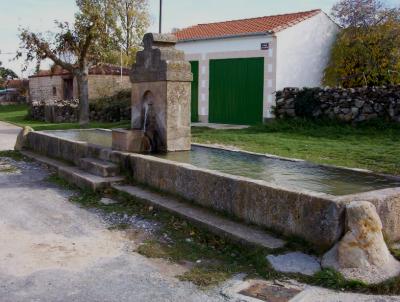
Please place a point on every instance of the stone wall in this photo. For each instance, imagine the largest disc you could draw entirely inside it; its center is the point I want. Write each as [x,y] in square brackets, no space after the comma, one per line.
[348,105]
[54,111]
[101,86]
[43,88]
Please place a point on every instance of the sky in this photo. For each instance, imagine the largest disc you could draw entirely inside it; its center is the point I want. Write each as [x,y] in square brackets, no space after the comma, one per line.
[39,16]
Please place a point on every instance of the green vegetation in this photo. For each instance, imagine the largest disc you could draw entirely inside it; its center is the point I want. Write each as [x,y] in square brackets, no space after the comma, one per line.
[15,155]
[17,115]
[365,52]
[371,146]
[212,259]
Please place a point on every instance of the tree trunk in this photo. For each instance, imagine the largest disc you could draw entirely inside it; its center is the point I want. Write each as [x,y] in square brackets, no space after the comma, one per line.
[83,86]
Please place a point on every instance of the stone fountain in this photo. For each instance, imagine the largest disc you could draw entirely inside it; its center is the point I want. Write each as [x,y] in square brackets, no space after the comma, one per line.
[161,89]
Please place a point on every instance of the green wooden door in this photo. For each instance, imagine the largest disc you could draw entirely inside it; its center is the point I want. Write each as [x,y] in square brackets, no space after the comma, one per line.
[195,91]
[236,91]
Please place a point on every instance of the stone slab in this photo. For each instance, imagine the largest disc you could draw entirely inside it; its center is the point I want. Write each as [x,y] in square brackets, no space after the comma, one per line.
[295,263]
[83,179]
[74,175]
[99,167]
[216,224]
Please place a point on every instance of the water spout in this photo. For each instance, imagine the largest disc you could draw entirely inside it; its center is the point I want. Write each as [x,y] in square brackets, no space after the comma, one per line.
[146,112]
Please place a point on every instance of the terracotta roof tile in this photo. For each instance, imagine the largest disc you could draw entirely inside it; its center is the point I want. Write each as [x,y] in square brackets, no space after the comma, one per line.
[243,27]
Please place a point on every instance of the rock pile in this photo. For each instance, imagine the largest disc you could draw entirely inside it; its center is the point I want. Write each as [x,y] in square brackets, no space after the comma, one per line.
[347,105]
[54,111]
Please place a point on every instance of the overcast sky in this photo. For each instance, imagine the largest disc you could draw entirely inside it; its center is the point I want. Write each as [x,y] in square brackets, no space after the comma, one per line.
[39,15]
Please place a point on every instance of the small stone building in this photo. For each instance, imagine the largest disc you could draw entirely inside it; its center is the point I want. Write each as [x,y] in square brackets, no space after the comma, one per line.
[238,65]
[59,84]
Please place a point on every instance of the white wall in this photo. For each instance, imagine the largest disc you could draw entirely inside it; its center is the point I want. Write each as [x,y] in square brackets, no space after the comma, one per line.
[303,52]
[229,48]
[224,45]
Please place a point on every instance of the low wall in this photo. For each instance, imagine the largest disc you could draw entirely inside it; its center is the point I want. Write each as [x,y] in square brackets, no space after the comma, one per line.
[316,217]
[347,105]
[54,111]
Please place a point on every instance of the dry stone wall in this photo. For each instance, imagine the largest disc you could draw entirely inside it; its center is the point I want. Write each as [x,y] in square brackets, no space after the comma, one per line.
[54,111]
[353,105]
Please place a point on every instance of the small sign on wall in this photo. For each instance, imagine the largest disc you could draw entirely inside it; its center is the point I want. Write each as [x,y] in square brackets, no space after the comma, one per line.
[264,46]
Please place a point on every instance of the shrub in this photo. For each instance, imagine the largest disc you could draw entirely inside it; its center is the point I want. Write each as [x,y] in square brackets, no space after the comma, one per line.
[111,109]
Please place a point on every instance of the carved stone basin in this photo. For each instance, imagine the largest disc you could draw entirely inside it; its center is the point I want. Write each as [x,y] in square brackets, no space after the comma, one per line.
[130,140]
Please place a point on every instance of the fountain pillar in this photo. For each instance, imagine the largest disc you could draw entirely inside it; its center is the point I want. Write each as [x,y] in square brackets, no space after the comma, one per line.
[161,91]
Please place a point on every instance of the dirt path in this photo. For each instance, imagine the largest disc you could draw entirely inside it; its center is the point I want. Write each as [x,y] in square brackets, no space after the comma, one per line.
[53,250]
[8,134]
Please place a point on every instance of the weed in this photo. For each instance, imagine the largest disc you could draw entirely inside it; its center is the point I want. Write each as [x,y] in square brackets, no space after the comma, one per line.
[15,155]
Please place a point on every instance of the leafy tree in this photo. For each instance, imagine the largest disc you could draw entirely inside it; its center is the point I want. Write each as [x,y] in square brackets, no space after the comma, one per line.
[134,20]
[76,47]
[366,51]
[5,74]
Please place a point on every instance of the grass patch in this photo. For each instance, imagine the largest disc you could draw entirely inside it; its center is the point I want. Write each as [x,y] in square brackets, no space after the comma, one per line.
[119,227]
[334,280]
[372,146]
[14,155]
[153,249]
[8,169]
[205,277]
[17,115]
[55,179]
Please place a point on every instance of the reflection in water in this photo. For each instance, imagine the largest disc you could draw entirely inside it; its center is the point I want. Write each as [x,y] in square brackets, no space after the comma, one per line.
[296,175]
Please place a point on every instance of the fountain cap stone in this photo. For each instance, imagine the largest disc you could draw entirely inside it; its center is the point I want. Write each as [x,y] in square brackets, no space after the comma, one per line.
[151,40]
[160,61]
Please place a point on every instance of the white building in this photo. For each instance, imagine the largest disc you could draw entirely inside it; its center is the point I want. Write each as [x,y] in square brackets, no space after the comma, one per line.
[238,65]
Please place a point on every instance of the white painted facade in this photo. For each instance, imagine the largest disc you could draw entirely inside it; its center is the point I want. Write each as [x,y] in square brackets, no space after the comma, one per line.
[303,52]
[296,57]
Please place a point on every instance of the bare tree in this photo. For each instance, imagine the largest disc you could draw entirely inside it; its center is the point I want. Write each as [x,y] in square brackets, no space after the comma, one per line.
[361,13]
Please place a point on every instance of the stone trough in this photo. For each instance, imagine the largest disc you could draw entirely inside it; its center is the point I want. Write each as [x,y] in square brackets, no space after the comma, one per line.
[347,211]
[317,217]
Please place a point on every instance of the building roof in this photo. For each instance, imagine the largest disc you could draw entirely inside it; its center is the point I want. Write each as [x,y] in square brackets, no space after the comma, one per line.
[267,24]
[17,83]
[106,69]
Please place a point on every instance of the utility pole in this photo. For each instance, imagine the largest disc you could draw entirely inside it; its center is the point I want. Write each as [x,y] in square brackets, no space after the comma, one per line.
[160,22]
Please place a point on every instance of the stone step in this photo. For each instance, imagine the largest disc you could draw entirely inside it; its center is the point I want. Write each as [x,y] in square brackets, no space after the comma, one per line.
[205,218]
[74,175]
[99,167]
[83,179]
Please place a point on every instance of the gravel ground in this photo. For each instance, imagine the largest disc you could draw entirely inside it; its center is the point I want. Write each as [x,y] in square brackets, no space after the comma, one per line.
[53,250]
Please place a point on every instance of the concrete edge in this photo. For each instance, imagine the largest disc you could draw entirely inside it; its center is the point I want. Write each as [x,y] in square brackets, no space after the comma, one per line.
[236,231]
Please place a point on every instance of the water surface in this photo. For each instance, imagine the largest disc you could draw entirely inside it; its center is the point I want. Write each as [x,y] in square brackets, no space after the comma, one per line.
[295,175]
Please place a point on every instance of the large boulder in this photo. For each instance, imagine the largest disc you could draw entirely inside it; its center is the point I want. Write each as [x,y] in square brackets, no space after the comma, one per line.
[22,138]
[362,253]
